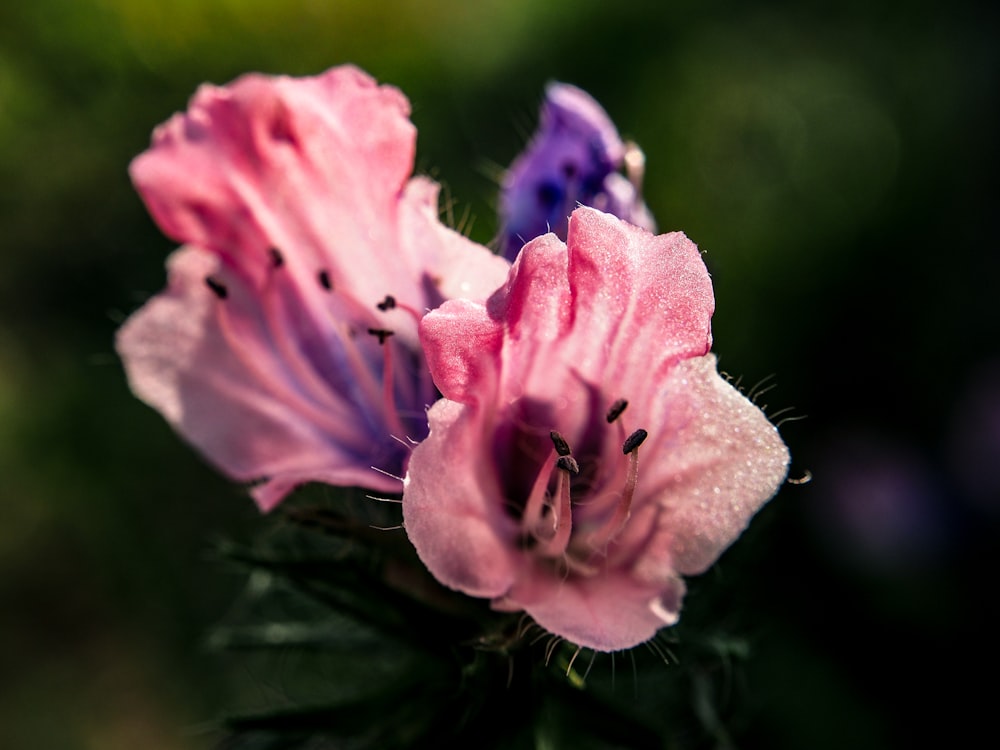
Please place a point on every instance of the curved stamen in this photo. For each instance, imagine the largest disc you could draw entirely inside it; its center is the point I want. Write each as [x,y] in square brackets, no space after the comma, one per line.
[533,508]
[559,443]
[562,512]
[391,303]
[281,319]
[614,525]
[615,410]
[635,168]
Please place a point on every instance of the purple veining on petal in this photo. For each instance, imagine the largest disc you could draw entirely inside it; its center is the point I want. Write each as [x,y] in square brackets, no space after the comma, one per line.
[293,199]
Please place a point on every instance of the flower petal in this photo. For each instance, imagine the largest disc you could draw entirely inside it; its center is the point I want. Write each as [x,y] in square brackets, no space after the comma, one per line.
[233,397]
[314,167]
[294,196]
[571,160]
[594,554]
[606,613]
[464,538]
[718,461]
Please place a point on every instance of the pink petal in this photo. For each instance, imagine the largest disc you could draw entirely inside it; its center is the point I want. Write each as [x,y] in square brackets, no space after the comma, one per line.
[232,397]
[615,314]
[316,168]
[647,298]
[312,166]
[718,460]
[606,613]
[295,194]
[464,538]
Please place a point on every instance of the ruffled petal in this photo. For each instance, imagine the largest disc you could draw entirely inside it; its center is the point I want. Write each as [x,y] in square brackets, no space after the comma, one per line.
[296,193]
[462,345]
[453,509]
[316,168]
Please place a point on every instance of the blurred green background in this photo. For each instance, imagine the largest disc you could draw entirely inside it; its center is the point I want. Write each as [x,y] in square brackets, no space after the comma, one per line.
[834,163]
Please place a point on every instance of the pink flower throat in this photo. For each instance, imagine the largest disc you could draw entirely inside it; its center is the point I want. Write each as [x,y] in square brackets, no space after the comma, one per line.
[547,527]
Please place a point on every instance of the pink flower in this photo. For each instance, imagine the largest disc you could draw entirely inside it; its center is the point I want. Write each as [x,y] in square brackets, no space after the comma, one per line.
[529,489]
[285,345]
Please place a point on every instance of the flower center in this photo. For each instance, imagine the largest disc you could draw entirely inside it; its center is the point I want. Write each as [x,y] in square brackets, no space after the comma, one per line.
[547,519]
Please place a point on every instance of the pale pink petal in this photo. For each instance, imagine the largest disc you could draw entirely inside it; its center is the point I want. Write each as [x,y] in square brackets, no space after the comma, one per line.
[647,298]
[450,513]
[231,396]
[605,612]
[312,166]
[594,555]
[718,460]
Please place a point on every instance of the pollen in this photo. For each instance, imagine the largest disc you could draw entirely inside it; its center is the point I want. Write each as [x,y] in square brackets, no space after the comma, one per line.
[560,444]
[616,410]
[218,288]
[380,333]
[633,441]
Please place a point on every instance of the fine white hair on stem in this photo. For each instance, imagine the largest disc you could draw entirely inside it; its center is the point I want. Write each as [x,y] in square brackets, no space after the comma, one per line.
[378,499]
[550,648]
[593,658]
[386,473]
[569,667]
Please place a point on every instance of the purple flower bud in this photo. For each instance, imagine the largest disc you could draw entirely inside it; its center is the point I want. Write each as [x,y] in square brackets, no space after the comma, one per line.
[574,159]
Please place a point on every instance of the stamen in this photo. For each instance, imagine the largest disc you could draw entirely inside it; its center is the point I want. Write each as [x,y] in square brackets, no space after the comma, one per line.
[277,259]
[561,446]
[568,464]
[635,168]
[324,280]
[616,410]
[391,303]
[614,525]
[633,441]
[562,515]
[380,333]
[218,288]
[536,499]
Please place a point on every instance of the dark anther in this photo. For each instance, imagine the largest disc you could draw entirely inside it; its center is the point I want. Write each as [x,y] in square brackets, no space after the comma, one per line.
[633,441]
[217,287]
[387,304]
[562,447]
[616,410]
[324,280]
[380,333]
[277,259]
[568,463]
